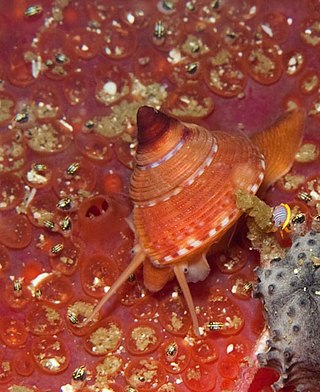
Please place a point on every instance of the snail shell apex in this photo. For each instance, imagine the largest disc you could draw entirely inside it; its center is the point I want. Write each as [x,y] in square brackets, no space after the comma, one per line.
[183,184]
[151,125]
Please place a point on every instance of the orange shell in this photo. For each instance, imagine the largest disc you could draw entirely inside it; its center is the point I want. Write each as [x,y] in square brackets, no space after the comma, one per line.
[183,184]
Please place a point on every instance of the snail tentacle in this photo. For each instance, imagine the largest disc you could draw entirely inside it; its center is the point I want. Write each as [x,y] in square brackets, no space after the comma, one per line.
[180,275]
[130,223]
[132,267]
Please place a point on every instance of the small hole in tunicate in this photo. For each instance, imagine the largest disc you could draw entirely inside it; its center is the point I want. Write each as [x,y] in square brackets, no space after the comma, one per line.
[296,328]
[303,302]
[280,275]
[271,288]
[297,244]
[291,311]
[92,212]
[186,270]
[269,343]
[287,355]
[302,255]
[311,242]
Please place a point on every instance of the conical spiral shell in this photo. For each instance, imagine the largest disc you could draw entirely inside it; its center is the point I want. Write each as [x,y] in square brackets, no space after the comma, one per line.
[183,184]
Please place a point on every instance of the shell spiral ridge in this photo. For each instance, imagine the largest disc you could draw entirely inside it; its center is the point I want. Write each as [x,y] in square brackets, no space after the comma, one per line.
[183,188]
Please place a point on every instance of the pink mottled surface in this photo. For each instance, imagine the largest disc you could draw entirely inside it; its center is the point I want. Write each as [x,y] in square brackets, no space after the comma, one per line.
[105,233]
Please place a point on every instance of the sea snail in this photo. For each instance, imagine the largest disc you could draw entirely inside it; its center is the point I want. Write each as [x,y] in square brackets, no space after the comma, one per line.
[182,189]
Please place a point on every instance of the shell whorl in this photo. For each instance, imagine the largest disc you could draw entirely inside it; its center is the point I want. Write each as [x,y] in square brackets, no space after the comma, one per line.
[183,184]
[161,157]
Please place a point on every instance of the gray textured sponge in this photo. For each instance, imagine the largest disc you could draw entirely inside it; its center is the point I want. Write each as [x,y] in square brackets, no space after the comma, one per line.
[290,290]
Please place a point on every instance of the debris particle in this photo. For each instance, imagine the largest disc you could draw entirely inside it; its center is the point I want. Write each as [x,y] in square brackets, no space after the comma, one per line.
[255,208]
[308,152]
